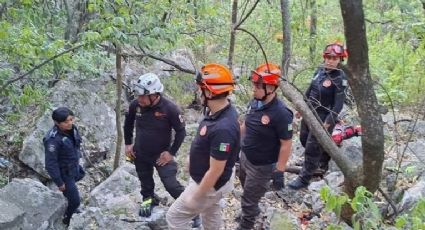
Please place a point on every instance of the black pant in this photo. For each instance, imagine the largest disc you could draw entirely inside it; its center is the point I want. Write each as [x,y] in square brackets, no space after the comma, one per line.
[69,177]
[167,173]
[255,180]
[314,155]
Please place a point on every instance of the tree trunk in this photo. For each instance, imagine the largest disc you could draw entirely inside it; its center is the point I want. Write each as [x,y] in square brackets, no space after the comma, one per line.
[68,21]
[233,34]
[313,29]
[347,165]
[286,23]
[362,86]
[118,107]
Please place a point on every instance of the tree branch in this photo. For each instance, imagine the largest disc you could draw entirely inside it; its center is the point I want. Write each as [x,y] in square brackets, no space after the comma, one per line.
[169,62]
[247,15]
[39,66]
[378,22]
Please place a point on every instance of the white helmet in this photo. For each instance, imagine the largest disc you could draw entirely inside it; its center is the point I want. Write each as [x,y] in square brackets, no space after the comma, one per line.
[148,84]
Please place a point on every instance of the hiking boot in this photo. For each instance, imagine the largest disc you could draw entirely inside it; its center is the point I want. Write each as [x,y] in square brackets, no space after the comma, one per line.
[66,220]
[298,183]
[146,207]
[196,222]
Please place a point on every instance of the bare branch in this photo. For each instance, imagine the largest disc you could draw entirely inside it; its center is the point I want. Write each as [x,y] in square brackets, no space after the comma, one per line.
[247,15]
[256,39]
[378,22]
[391,202]
[39,66]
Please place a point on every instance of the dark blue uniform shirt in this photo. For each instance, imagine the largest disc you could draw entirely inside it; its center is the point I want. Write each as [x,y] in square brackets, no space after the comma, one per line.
[327,93]
[264,128]
[218,136]
[153,128]
[62,153]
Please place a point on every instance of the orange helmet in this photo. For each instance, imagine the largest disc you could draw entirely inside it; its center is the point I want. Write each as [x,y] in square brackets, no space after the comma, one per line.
[216,78]
[335,50]
[267,73]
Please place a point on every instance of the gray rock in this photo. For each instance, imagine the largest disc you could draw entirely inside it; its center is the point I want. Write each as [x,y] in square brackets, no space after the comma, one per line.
[180,57]
[95,218]
[353,148]
[10,215]
[334,179]
[282,220]
[418,149]
[96,122]
[318,204]
[412,196]
[418,129]
[117,194]
[42,206]
[316,186]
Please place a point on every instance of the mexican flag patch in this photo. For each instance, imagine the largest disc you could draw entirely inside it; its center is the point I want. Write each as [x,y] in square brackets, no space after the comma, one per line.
[290,127]
[224,147]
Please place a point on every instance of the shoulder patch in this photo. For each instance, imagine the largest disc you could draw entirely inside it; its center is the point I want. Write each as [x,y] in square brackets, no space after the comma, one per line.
[290,127]
[52,133]
[344,82]
[51,148]
[224,147]
[181,118]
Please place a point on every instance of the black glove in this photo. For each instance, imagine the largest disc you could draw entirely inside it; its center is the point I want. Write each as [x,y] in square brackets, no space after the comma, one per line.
[278,181]
[81,173]
[146,207]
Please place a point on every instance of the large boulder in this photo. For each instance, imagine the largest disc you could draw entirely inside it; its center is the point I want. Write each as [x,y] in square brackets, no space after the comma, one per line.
[10,215]
[119,196]
[28,204]
[95,120]
[95,218]
[181,57]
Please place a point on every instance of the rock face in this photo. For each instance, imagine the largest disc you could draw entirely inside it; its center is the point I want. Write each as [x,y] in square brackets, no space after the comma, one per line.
[95,120]
[114,204]
[28,204]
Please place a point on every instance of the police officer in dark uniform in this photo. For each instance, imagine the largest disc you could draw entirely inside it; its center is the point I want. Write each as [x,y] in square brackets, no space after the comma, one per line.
[267,142]
[155,116]
[326,94]
[212,154]
[62,153]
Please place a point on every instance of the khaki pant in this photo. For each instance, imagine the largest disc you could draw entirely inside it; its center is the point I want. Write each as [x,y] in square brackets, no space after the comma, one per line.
[179,215]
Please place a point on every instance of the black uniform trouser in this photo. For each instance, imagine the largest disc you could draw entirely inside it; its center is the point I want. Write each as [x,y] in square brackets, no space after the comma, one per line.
[167,173]
[70,177]
[255,180]
[314,155]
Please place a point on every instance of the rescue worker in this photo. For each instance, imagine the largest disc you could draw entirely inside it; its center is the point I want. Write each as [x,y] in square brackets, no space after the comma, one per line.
[62,154]
[326,94]
[212,154]
[267,142]
[155,117]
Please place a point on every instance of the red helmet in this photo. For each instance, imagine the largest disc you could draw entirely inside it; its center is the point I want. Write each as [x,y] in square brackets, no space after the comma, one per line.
[216,78]
[335,49]
[267,73]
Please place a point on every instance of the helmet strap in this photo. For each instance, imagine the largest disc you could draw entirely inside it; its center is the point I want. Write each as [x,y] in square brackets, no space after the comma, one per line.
[266,93]
[152,100]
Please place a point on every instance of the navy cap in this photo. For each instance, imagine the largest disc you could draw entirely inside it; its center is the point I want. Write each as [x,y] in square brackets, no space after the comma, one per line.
[61,114]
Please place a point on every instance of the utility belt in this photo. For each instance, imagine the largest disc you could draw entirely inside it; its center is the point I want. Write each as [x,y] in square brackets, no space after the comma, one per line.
[73,170]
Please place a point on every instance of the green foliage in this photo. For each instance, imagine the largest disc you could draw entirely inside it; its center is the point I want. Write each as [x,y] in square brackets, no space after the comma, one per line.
[333,202]
[3,181]
[416,218]
[367,215]
[180,88]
